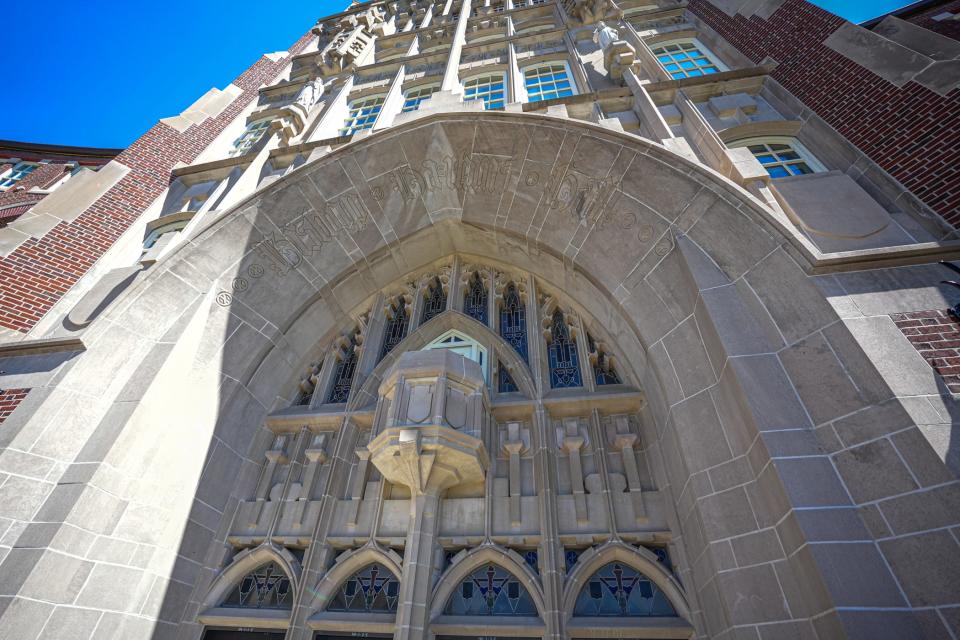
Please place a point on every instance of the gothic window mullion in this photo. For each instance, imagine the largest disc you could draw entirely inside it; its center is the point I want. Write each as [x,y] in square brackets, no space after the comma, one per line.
[395,329]
[513,321]
[475,298]
[435,302]
[345,371]
[562,355]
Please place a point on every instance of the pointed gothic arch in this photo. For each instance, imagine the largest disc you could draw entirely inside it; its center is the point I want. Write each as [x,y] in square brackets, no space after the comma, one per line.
[638,558]
[464,565]
[346,565]
[249,560]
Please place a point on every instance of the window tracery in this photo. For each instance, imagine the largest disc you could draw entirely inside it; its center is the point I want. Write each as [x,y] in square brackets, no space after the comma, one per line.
[396,329]
[513,320]
[562,354]
[603,370]
[491,591]
[618,590]
[373,589]
[435,301]
[266,587]
[475,299]
[346,367]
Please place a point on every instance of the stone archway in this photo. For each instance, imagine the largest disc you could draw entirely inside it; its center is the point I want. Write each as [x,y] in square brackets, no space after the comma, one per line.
[700,290]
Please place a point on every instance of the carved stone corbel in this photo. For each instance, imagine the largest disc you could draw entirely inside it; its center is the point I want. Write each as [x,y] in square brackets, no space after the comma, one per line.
[572,443]
[515,444]
[624,441]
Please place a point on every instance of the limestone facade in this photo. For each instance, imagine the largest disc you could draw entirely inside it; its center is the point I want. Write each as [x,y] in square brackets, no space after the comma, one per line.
[480,320]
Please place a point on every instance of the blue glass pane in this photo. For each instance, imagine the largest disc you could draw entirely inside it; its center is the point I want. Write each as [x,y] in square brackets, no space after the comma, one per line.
[565,93]
[777,172]
[664,58]
[618,590]
[491,591]
[678,75]
[513,321]
[672,67]
[710,70]
[562,355]
[266,587]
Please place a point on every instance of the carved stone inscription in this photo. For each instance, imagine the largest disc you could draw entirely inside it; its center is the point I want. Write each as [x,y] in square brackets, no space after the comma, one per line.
[563,190]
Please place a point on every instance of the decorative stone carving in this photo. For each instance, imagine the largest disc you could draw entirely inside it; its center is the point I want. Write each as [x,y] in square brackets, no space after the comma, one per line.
[310,94]
[623,440]
[572,442]
[617,54]
[516,442]
[590,11]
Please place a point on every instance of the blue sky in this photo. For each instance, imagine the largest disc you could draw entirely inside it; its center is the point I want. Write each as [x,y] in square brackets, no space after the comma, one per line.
[101,73]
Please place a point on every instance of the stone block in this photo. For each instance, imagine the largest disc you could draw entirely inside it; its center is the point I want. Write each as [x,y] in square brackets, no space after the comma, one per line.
[56,578]
[889,60]
[727,514]
[856,575]
[70,624]
[699,433]
[811,482]
[723,233]
[115,588]
[757,548]
[689,358]
[824,386]
[927,467]
[753,595]
[23,619]
[874,625]
[923,510]
[873,471]
[726,106]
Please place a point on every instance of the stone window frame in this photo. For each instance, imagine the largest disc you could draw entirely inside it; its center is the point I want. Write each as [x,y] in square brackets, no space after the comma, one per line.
[356,119]
[697,44]
[487,84]
[543,64]
[418,95]
[804,155]
[252,134]
[478,353]
[12,176]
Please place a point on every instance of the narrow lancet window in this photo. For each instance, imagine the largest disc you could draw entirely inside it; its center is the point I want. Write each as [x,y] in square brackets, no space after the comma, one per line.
[603,369]
[396,329]
[513,320]
[562,355]
[505,383]
[475,299]
[436,301]
[346,366]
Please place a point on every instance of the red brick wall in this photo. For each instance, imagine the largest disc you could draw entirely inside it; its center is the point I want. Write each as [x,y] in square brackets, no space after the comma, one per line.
[936,335]
[949,28]
[42,270]
[9,399]
[911,132]
[42,177]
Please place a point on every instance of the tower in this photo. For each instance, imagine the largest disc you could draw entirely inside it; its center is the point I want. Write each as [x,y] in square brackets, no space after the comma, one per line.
[526,319]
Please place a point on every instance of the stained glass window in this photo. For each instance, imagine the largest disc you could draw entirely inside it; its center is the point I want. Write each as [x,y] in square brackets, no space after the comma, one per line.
[603,371]
[372,589]
[343,376]
[513,321]
[570,558]
[505,383]
[475,299]
[266,587]
[620,590]
[396,328]
[435,302]
[562,355]
[491,591]
[532,558]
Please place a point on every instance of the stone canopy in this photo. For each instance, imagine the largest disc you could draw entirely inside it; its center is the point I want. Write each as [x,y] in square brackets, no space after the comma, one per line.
[703,293]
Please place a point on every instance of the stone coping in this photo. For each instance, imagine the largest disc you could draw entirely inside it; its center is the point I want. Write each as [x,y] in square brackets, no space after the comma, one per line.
[477,626]
[322,419]
[356,623]
[168,219]
[671,86]
[658,628]
[249,618]
[224,163]
[35,347]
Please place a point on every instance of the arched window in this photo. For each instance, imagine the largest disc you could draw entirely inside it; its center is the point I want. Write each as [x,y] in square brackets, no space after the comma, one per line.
[491,591]
[396,328]
[346,366]
[266,587]
[250,136]
[548,81]
[475,299]
[435,302]
[603,370]
[462,344]
[687,59]
[513,320]
[619,590]
[562,355]
[373,589]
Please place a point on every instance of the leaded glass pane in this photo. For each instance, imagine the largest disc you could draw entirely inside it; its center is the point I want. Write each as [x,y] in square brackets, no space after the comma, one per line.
[373,589]
[546,82]
[562,355]
[396,328]
[343,376]
[513,321]
[491,591]
[266,587]
[435,303]
[619,590]
[475,299]
[505,383]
